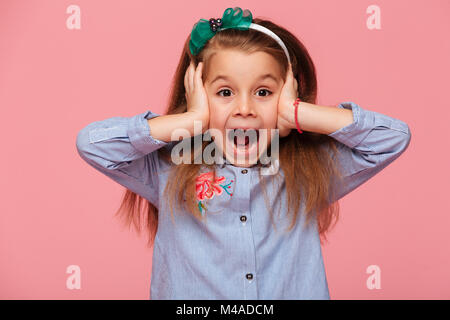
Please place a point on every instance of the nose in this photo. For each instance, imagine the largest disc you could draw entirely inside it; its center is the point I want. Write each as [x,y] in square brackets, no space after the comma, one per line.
[245,108]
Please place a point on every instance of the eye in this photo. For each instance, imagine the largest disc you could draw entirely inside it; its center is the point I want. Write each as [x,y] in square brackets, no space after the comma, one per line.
[227,92]
[268,92]
[224,90]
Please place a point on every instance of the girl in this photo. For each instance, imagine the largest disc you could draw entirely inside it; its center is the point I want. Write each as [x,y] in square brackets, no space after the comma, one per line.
[233,232]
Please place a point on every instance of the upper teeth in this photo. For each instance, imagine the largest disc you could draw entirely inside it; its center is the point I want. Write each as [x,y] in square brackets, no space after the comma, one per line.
[241,136]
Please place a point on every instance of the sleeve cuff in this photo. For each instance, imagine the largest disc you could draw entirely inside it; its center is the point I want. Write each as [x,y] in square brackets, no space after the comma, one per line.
[139,133]
[352,134]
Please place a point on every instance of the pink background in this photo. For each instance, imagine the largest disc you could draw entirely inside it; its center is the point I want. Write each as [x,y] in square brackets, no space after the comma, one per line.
[57,211]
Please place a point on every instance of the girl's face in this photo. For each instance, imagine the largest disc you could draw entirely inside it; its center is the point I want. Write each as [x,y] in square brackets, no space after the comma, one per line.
[243,91]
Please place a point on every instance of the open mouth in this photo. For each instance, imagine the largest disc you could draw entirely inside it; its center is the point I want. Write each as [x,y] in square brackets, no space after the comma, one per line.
[244,140]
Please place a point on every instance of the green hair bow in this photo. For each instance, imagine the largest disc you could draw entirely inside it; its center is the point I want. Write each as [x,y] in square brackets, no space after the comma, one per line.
[204,29]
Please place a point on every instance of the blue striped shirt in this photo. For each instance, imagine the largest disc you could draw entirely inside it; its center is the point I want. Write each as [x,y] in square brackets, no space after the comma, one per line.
[236,253]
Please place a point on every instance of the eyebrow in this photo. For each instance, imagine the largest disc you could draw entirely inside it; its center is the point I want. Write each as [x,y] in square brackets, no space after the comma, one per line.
[262,77]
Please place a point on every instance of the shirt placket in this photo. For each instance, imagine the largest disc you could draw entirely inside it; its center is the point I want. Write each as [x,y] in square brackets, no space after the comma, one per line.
[248,271]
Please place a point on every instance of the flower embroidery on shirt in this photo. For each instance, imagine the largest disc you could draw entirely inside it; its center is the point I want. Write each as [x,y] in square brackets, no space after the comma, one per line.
[206,187]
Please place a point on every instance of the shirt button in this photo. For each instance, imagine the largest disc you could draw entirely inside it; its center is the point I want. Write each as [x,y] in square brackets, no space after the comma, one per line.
[249,276]
[243,218]
[244,171]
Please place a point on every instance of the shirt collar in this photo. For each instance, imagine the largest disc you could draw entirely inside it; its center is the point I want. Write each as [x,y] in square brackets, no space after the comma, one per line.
[274,164]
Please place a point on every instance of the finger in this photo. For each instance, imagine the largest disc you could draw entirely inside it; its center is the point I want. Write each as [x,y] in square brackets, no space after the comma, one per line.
[194,76]
[186,82]
[294,80]
[289,75]
[190,77]
[198,76]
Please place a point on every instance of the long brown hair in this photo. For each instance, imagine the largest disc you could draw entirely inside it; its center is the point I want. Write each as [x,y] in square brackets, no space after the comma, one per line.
[307,172]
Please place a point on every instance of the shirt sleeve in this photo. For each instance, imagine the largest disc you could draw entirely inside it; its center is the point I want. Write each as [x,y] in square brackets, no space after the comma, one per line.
[123,149]
[366,146]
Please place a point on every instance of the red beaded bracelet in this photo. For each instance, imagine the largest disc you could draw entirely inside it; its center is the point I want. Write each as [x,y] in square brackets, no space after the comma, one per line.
[296,112]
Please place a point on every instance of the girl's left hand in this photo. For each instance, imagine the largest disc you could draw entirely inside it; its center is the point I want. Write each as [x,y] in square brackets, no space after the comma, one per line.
[286,109]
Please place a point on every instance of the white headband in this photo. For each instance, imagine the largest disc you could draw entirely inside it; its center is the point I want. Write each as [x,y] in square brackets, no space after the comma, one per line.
[271,34]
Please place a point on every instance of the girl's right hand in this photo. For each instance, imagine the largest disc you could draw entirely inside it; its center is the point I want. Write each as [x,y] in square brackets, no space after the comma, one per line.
[196,97]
